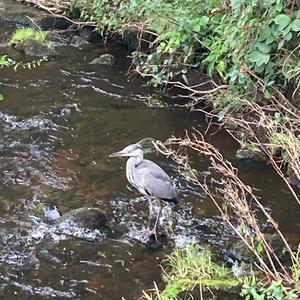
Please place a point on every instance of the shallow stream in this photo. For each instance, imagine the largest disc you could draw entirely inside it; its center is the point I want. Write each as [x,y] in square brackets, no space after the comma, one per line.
[58,125]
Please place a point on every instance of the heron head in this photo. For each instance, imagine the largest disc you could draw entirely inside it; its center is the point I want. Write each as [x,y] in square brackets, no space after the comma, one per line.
[133,150]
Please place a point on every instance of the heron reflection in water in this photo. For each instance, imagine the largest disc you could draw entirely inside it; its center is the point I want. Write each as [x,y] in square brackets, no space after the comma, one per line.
[149,179]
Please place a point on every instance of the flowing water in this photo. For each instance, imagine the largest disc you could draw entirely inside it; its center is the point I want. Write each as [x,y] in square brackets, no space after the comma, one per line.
[58,125]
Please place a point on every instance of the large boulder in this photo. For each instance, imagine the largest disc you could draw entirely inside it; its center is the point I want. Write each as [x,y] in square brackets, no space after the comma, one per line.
[87,217]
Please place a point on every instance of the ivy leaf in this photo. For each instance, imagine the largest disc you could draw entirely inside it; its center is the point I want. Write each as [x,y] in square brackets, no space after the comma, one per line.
[258,58]
[1,97]
[296,25]
[282,21]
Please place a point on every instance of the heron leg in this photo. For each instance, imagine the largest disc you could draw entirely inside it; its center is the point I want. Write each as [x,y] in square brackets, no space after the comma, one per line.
[150,213]
[153,231]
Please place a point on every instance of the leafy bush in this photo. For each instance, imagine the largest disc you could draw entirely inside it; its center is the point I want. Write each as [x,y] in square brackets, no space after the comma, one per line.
[239,40]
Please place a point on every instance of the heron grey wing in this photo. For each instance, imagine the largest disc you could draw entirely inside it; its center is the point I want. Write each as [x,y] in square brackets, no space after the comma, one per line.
[154,169]
[155,181]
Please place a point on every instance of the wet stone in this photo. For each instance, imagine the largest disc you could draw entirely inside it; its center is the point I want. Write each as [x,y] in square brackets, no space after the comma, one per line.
[89,34]
[105,59]
[78,41]
[87,217]
[46,211]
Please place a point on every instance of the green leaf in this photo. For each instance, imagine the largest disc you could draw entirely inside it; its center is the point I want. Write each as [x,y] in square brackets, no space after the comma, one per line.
[1,97]
[236,6]
[204,20]
[286,30]
[266,34]
[288,37]
[258,58]
[267,95]
[263,47]
[269,2]
[296,25]
[298,14]
[280,44]
[282,21]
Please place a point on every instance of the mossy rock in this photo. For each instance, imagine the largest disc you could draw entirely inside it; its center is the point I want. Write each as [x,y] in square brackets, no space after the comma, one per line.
[241,252]
[35,48]
[88,217]
[32,42]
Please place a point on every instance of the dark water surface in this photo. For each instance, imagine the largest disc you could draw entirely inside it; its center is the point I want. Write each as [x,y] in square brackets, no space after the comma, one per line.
[58,124]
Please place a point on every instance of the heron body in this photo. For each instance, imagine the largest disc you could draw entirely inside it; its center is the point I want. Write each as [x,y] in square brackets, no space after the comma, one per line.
[150,179]
[147,177]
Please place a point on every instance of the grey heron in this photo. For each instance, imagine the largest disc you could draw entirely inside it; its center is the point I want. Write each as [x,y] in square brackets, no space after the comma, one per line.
[148,178]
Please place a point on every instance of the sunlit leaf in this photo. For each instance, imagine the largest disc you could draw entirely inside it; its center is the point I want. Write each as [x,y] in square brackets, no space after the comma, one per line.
[264,48]
[282,21]
[296,25]
[258,58]
[1,97]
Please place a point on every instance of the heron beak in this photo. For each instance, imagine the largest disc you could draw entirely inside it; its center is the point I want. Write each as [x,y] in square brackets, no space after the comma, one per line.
[117,154]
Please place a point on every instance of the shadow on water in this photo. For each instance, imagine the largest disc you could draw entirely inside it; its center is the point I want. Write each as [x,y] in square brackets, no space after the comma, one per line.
[58,125]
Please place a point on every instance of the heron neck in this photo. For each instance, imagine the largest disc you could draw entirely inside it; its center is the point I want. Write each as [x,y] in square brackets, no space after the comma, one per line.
[136,160]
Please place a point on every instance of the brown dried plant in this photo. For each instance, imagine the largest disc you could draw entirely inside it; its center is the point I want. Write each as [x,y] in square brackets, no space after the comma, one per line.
[234,200]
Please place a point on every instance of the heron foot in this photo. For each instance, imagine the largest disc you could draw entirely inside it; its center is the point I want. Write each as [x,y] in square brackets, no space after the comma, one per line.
[148,234]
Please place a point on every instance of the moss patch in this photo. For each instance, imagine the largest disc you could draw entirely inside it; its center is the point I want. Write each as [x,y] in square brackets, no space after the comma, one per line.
[23,35]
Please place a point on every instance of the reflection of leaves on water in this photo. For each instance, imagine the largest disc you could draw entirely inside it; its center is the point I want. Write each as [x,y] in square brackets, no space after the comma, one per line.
[147,145]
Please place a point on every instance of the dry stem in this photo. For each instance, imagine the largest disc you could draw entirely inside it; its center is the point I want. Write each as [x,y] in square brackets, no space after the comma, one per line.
[225,184]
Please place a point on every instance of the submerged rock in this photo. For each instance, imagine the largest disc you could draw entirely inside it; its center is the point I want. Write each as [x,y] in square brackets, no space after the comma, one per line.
[89,34]
[35,48]
[250,152]
[88,217]
[46,211]
[105,59]
[239,251]
[78,41]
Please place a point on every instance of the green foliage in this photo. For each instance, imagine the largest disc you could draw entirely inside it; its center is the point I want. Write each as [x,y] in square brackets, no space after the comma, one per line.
[249,37]
[186,269]
[252,289]
[5,61]
[22,35]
